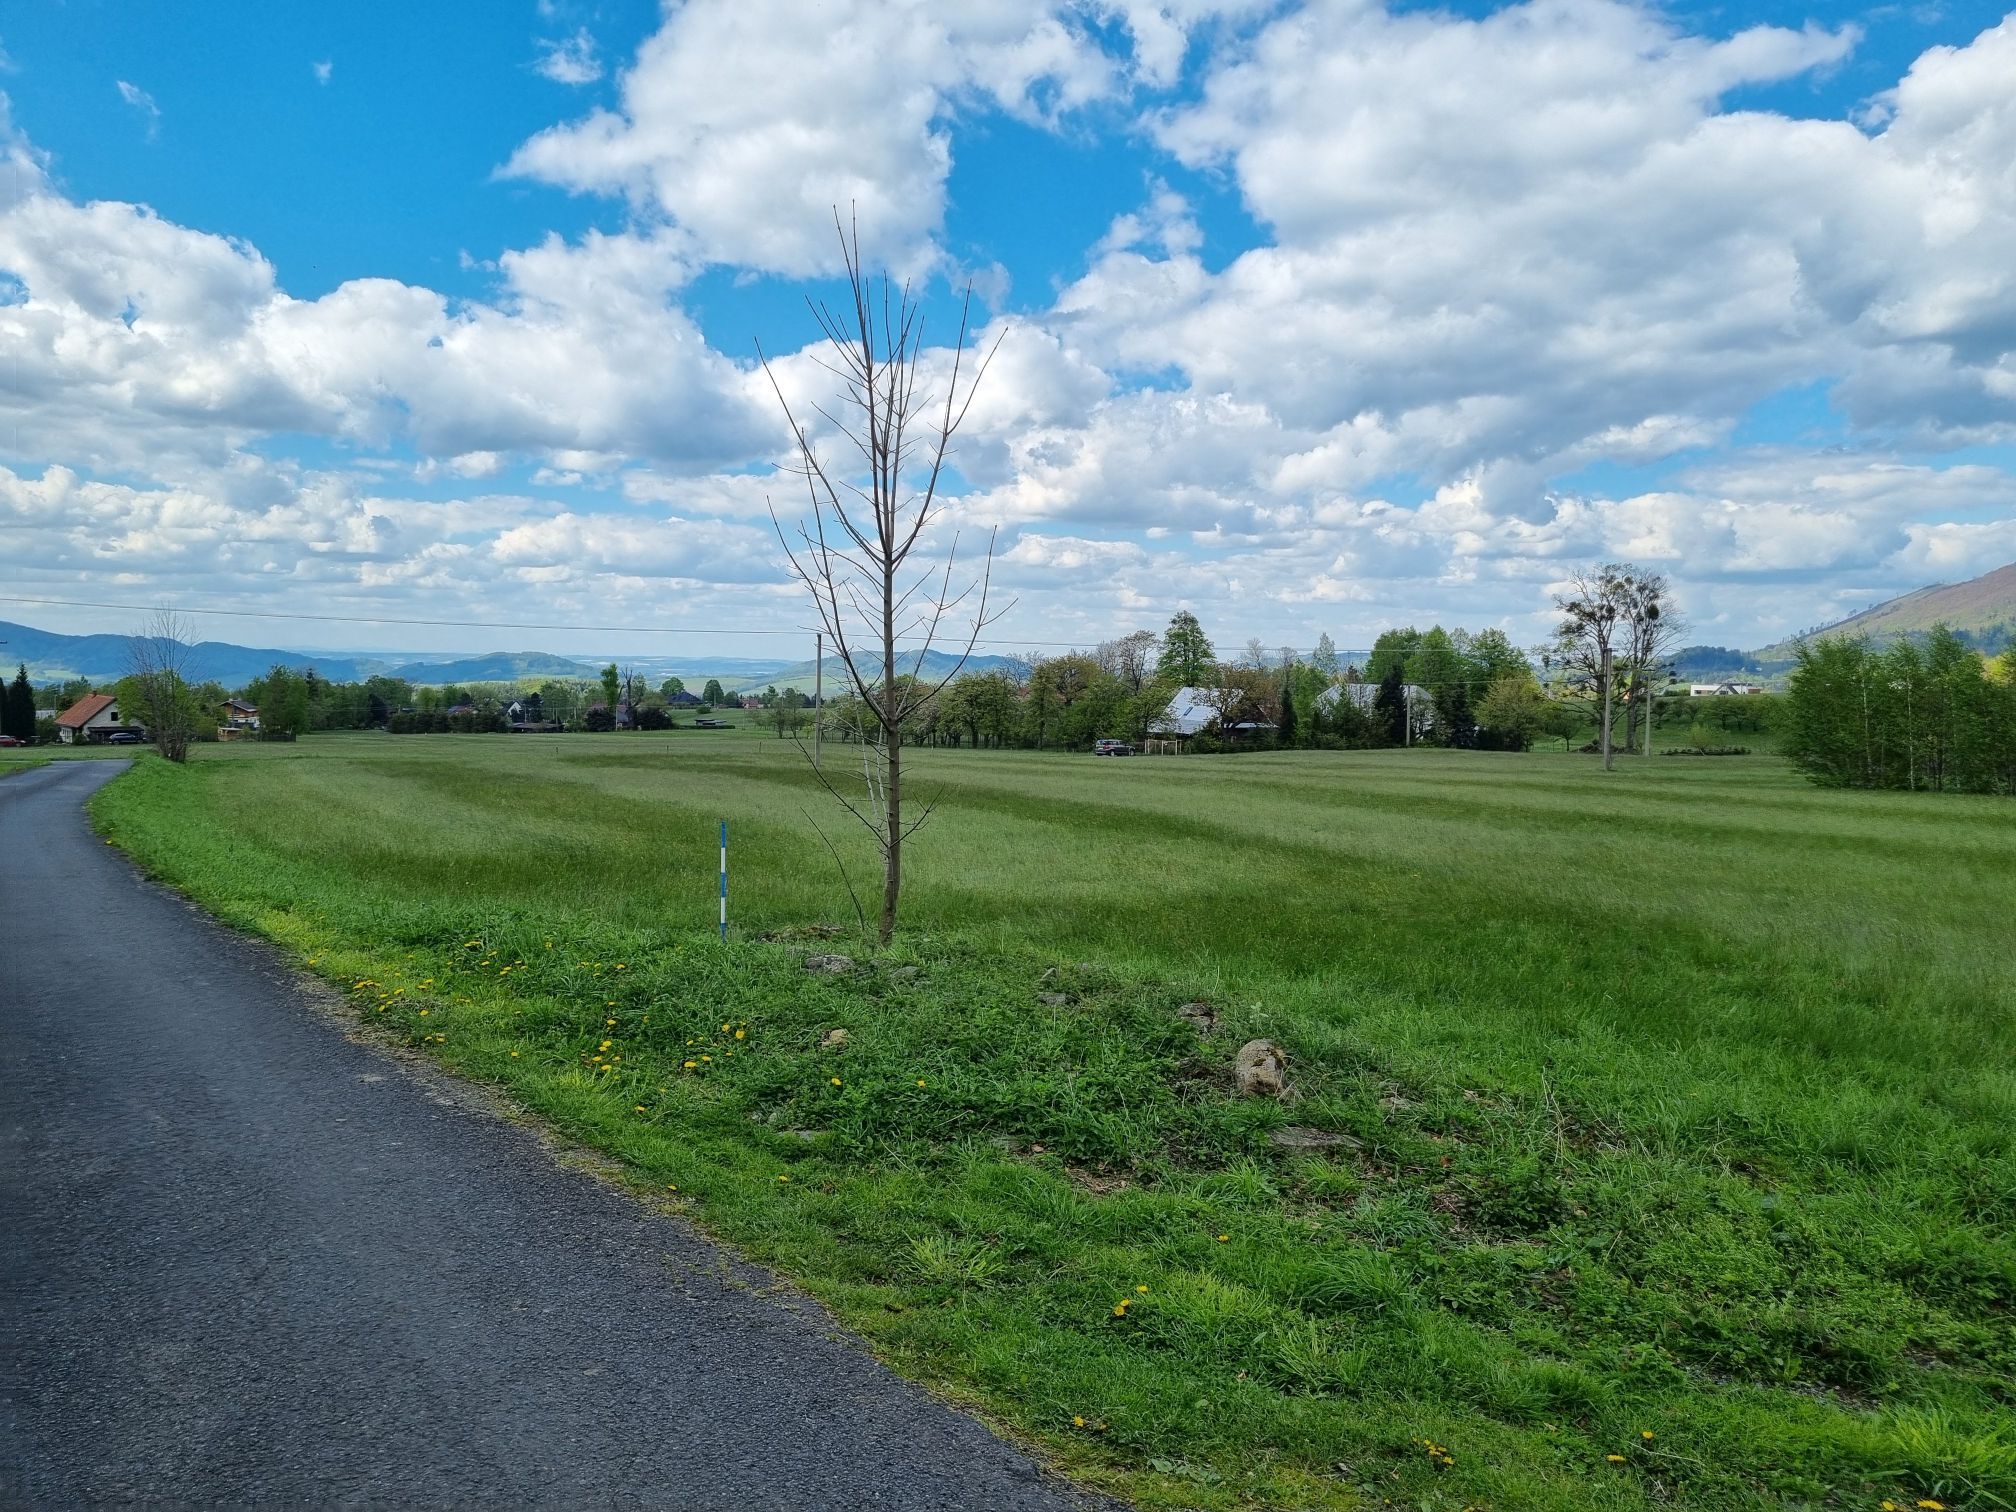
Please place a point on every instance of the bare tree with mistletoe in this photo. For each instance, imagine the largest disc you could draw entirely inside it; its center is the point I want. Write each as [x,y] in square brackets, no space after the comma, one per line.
[882,601]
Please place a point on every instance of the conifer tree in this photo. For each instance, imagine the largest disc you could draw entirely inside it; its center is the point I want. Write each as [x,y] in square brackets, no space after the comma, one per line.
[1389,707]
[18,708]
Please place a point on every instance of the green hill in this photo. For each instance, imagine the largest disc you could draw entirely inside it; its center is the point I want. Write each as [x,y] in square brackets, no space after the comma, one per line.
[1983,609]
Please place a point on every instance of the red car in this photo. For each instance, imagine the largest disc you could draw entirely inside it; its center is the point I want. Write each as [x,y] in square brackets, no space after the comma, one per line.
[10,740]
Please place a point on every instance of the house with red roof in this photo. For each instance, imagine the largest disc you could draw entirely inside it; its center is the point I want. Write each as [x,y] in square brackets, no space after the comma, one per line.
[92,717]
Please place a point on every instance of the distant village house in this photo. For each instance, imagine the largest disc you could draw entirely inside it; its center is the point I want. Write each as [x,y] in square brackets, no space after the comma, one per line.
[91,718]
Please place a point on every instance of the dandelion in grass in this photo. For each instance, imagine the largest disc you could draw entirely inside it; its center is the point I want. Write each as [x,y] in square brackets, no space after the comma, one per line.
[1931,1505]
[514,1055]
[1645,1434]
[920,1081]
[1615,1459]
[833,1079]
[1077,1422]
[641,1108]
[1142,1290]
[741,1034]
[783,1178]
[692,1065]
[1224,1238]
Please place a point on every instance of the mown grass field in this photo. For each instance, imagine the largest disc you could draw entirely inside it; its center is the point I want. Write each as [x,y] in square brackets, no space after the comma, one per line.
[1677,1106]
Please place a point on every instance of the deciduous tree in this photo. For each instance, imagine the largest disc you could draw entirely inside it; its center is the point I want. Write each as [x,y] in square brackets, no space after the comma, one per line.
[856,550]
[1186,659]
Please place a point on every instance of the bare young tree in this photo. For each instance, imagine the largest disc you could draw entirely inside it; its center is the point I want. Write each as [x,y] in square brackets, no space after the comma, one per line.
[1594,602]
[1652,628]
[1130,658]
[157,682]
[868,514]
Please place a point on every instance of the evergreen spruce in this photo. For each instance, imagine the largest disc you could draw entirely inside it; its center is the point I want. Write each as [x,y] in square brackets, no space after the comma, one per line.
[17,709]
[1389,707]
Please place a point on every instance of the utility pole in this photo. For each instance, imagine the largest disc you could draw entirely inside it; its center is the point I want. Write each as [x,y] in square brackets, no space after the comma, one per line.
[1407,723]
[818,690]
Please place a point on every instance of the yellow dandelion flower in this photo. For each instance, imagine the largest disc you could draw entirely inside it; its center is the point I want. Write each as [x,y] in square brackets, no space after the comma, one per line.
[1119,1309]
[621,967]
[741,1034]
[640,1108]
[514,1055]
[1142,1289]
[670,1188]
[1224,1238]
[1931,1505]
[833,1079]
[1645,1434]
[1615,1459]
[691,1064]
[425,1011]
[706,1057]
[920,1081]
[783,1178]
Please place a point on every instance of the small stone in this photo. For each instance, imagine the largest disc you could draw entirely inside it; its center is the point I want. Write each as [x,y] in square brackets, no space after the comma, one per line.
[805,1134]
[1198,1016]
[833,1039]
[1261,1069]
[1295,1138]
[1052,999]
[832,964]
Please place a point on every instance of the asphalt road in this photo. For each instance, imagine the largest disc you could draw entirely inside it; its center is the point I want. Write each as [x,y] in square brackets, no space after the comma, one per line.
[244,1260]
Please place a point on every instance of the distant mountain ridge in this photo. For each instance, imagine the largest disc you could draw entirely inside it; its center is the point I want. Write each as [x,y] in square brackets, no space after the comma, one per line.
[1983,609]
[51,656]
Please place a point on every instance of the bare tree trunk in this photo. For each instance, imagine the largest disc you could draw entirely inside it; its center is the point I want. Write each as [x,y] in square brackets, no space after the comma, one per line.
[892,854]
[1603,694]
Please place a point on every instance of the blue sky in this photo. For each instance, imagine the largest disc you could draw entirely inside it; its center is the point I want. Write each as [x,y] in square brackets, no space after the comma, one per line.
[1317,319]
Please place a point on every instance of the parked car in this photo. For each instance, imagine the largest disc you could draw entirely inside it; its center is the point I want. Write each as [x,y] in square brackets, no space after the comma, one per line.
[12,740]
[712,724]
[1111,748]
[125,737]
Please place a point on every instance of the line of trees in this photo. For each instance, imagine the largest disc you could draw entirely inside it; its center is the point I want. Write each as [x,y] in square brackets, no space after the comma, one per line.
[1935,717]
[1475,690]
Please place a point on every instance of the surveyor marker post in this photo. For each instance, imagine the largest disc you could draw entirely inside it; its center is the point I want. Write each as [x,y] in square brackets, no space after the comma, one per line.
[724,879]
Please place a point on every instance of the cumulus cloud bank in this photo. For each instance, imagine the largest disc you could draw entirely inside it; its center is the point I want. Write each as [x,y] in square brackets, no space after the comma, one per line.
[1494,256]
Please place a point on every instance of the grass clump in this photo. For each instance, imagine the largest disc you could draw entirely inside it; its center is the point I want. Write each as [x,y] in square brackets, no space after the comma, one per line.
[1672,1171]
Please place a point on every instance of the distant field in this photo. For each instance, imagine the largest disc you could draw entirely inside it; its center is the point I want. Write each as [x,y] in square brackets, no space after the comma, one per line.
[1677,1105]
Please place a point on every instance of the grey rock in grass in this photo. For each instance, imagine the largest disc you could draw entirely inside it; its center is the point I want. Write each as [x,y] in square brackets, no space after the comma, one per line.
[831,964]
[1198,1016]
[1296,1138]
[1053,999]
[1261,1070]
[832,1039]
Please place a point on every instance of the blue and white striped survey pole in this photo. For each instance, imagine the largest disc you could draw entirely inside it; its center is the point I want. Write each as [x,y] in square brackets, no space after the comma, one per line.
[724,879]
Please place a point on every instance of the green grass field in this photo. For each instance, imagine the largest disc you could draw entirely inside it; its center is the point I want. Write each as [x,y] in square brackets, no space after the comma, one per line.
[1676,1106]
